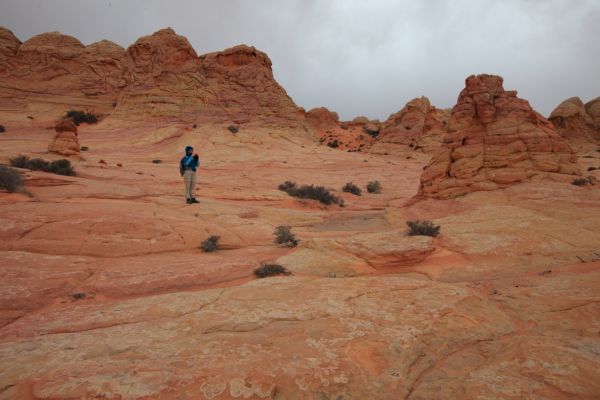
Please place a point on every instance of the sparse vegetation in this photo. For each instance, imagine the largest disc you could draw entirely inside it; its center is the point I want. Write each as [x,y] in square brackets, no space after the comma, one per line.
[211,244]
[10,179]
[334,145]
[283,235]
[374,187]
[84,148]
[371,132]
[422,228]
[580,181]
[233,128]
[271,270]
[310,192]
[79,117]
[2,129]
[60,167]
[157,161]
[352,188]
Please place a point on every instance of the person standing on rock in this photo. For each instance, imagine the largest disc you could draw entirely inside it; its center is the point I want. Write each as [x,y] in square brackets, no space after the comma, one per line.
[187,169]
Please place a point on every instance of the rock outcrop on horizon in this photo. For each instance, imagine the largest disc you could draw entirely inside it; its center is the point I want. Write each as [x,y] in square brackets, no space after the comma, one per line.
[418,125]
[495,139]
[573,122]
[356,135]
[159,76]
[65,141]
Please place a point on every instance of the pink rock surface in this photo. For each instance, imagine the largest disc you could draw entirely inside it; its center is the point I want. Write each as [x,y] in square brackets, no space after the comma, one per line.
[105,293]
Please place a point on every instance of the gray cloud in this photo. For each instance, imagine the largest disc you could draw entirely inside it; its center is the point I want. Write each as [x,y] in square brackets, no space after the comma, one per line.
[361,58]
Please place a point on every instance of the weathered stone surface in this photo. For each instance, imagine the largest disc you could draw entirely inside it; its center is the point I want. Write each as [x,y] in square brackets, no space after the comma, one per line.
[495,139]
[592,108]
[65,141]
[418,125]
[573,123]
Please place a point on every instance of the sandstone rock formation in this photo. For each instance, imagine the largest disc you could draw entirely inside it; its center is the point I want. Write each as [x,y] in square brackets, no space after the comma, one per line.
[573,122]
[65,141]
[418,125]
[592,108]
[159,76]
[355,135]
[494,139]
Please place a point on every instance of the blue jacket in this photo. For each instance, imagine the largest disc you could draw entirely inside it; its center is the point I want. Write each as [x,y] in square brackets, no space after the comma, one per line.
[188,162]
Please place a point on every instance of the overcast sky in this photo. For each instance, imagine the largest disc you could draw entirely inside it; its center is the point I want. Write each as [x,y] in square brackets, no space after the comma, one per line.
[359,57]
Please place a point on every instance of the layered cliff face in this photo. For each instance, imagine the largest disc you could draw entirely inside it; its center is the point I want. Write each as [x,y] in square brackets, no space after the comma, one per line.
[573,122]
[494,139]
[159,76]
[418,125]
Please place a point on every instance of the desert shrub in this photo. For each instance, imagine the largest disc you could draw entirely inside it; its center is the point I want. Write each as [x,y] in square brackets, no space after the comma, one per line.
[422,228]
[79,117]
[374,187]
[10,179]
[580,181]
[283,235]
[2,128]
[38,164]
[352,188]
[270,270]
[371,132]
[211,244]
[233,129]
[157,161]
[60,167]
[19,161]
[334,145]
[84,148]
[310,192]
[592,168]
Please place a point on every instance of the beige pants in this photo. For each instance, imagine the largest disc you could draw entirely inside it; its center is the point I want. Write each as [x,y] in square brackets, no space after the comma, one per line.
[189,179]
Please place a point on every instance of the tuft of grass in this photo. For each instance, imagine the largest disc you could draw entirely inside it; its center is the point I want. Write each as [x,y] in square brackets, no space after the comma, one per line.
[233,128]
[374,187]
[422,228]
[271,270]
[310,192]
[283,235]
[10,179]
[211,244]
[79,117]
[352,188]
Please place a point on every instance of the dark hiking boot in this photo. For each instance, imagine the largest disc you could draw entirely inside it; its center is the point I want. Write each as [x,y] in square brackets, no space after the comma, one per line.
[188,201]
[193,200]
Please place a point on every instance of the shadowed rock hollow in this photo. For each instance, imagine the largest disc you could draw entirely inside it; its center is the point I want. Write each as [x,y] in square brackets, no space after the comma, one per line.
[105,293]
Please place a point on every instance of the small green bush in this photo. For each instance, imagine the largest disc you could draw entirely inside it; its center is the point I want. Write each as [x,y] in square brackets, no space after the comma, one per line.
[211,244]
[10,179]
[352,188]
[374,187]
[283,235]
[422,228]
[270,270]
[233,129]
[79,117]
[84,148]
[310,192]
